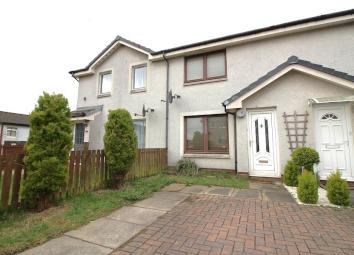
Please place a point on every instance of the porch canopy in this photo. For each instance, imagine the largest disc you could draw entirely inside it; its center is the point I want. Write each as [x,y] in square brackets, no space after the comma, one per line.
[324,100]
[86,113]
[293,63]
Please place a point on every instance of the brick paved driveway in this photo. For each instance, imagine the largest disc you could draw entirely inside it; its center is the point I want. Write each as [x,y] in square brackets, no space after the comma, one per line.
[209,224]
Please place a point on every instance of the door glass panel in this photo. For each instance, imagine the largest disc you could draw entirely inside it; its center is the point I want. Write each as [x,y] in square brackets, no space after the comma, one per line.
[266,134]
[194,133]
[329,116]
[257,136]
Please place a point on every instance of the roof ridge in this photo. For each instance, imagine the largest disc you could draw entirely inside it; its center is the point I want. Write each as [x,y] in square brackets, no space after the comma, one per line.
[218,39]
[14,113]
[259,30]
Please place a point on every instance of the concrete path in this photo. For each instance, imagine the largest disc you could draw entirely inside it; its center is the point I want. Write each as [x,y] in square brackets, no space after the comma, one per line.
[101,236]
[106,234]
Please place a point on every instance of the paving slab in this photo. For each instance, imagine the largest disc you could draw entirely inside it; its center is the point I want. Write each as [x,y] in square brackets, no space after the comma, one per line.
[266,186]
[67,246]
[248,193]
[137,215]
[279,196]
[175,196]
[106,232]
[221,191]
[195,189]
[174,187]
[158,203]
[205,223]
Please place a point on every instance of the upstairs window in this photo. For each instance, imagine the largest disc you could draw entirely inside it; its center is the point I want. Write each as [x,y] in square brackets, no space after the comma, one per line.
[11,132]
[205,67]
[139,77]
[105,83]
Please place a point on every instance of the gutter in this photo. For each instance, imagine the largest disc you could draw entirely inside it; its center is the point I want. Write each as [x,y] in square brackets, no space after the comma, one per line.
[235,135]
[167,103]
[72,75]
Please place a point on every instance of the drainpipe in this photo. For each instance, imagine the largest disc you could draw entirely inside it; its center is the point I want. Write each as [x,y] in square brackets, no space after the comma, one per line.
[1,134]
[167,103]
[1,130]
[235,135]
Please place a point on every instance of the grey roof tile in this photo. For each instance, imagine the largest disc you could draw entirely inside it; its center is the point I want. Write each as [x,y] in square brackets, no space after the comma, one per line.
[86,111]
[118,38]
[14,118]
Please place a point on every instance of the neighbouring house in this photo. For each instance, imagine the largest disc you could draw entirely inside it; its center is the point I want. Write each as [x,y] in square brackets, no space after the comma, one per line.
[14,128]
[241,102]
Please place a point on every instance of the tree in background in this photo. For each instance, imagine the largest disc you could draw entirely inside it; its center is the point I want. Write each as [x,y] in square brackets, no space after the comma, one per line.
[120,144]
[47,150]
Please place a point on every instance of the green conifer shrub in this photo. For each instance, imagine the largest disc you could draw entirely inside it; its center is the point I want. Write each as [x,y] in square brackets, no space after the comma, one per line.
[47,150]
[120,145]
[291,173]
[338,192]
[307,190]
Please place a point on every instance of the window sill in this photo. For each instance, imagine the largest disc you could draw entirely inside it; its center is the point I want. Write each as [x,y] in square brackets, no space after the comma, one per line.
[133,91]
[104,95]
[205,81]
[217,156]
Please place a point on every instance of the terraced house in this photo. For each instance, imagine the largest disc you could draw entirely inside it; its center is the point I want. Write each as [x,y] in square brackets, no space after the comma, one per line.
[241,102]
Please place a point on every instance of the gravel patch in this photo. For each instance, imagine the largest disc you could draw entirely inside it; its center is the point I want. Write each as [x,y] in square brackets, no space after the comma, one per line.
[322,197]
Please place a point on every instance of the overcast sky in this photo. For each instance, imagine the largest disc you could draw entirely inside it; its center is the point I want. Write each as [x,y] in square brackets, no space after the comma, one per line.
[40,41]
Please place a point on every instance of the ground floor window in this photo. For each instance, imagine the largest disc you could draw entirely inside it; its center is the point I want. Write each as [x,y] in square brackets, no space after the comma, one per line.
[79,133]
[139,126]
[206,134]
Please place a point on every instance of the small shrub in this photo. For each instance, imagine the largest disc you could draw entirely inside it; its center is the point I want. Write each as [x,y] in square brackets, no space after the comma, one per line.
[305,157]
[307,190]
[120,144]
[291,173]
[338,190]
[186,166]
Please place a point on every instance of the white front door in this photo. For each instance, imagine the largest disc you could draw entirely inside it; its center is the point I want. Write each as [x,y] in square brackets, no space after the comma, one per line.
[262,137]
[333,140]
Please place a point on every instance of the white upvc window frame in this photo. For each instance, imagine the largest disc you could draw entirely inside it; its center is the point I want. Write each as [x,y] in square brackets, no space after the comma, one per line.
[145,126]
[132,76]
[12,129]
[99,83]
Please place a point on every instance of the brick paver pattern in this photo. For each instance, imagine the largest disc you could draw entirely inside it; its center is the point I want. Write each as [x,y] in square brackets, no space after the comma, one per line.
[205,224]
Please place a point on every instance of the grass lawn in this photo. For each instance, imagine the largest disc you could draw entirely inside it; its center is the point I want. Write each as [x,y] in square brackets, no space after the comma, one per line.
[21,230]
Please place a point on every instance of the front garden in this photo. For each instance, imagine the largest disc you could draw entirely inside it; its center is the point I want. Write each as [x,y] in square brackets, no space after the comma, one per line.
[304,184]
[23,229]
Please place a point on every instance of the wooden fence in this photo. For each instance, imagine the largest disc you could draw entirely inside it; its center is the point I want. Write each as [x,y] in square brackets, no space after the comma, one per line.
[86,172]
[11,149]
